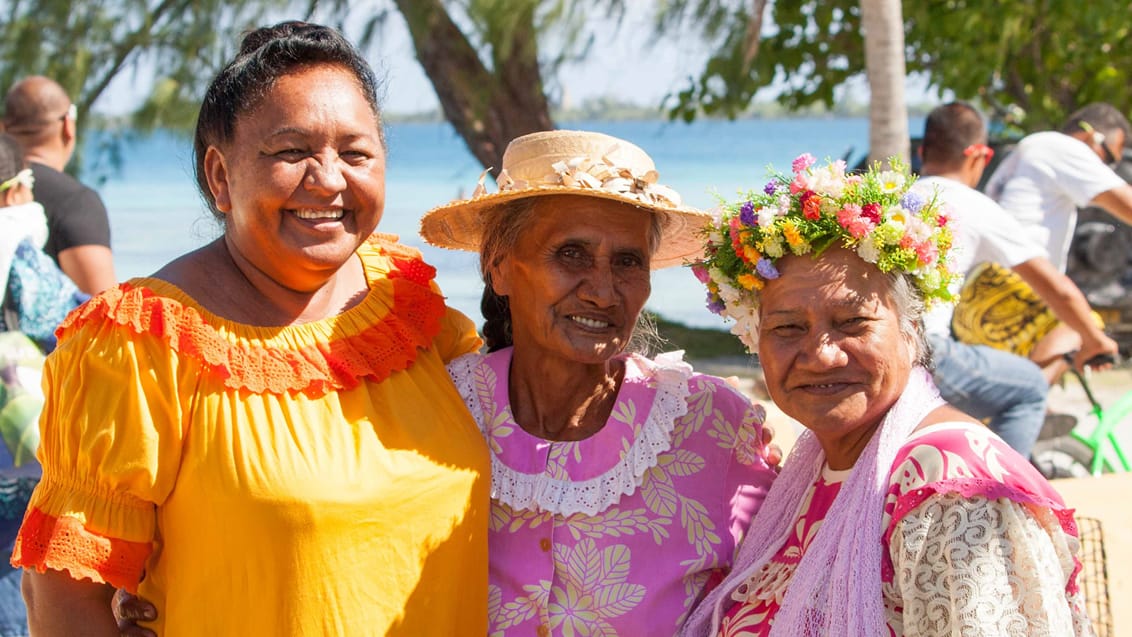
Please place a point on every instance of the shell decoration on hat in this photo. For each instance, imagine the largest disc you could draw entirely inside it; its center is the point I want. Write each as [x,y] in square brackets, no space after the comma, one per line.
[579,163]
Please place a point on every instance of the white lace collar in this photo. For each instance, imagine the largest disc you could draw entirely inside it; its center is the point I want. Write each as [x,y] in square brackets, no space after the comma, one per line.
[478,376]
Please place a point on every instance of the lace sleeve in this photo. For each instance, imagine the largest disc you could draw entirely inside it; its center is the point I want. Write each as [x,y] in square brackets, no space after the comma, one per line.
[973,566]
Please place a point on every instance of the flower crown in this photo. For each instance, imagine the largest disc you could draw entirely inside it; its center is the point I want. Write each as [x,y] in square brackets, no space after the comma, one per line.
[873,213]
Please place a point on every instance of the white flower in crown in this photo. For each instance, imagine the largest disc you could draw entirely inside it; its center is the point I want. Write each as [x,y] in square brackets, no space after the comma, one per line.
[891,181]
[868,250]
[828,180]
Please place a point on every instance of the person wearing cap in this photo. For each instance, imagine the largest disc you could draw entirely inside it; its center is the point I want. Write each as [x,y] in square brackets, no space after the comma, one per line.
[621,484]
[38,113]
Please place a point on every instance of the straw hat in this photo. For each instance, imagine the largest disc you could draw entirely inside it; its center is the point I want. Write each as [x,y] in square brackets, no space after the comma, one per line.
[582,163]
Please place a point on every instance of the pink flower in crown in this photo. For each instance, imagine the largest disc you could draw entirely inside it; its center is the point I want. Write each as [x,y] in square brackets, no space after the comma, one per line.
[801,183]
[848,214]
[871,211]
[802,162]
[927,252]
[733,226]
[701,273]
[860,227]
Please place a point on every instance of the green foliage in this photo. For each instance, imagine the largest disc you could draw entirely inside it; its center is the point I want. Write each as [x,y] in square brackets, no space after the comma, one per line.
[1034,61]
[175,45]
[698,343]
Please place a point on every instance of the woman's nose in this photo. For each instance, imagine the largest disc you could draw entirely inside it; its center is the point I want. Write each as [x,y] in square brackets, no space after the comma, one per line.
[598,286]
[324,175]
[824,352]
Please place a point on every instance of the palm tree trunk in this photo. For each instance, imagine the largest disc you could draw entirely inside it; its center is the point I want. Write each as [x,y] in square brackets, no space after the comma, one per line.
[884,66]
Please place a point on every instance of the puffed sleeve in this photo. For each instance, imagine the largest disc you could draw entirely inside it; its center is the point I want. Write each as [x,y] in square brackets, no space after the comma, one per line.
[737,427]
[973,566]
[111,445]
[457,336]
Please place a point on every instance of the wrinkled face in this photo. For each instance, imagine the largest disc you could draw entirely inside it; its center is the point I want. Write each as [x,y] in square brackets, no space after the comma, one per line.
[577,279]
[830,345]
[302,183]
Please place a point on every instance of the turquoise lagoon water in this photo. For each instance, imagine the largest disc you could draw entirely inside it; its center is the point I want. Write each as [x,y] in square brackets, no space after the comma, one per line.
[156,214]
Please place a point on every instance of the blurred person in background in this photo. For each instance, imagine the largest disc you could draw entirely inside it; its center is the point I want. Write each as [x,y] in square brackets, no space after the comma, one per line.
[40,115]
[986,382]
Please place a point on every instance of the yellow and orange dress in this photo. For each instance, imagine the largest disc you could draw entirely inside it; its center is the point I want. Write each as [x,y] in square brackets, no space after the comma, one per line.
[318,479]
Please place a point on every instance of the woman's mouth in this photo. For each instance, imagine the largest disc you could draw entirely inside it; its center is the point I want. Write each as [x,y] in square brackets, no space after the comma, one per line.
[589,322]
[315,215]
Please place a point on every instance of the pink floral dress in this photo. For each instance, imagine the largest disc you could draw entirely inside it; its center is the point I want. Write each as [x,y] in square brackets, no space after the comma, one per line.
[620,533]
[976,543]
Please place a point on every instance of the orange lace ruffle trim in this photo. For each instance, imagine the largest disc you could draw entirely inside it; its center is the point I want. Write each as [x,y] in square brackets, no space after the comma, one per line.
[389,345]
[63,544]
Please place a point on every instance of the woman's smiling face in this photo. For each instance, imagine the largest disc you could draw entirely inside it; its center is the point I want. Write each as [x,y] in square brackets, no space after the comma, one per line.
[302,183]
[831,346]
[578,278]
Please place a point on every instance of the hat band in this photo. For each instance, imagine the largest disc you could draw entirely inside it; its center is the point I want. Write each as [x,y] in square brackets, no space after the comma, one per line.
[589,173]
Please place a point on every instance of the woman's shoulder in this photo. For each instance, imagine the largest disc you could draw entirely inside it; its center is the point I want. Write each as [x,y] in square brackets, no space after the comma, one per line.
[399,318]
[965,458]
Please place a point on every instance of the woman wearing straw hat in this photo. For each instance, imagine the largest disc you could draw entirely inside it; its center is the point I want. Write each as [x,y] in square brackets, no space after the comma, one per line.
[620,485]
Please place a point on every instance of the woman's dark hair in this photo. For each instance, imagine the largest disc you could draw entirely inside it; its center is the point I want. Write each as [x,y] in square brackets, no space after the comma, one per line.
[499,234]
[267,54]
[502,227]
[11,157]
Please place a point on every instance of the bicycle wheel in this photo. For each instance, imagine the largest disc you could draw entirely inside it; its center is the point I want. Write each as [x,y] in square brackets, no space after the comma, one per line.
[1062,457]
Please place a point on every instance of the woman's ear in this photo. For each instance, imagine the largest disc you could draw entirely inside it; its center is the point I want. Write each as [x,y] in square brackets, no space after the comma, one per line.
[216,173]
[501,277]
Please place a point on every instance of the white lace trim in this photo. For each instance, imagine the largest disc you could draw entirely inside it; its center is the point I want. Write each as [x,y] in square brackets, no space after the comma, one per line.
[969,566]
[539,492]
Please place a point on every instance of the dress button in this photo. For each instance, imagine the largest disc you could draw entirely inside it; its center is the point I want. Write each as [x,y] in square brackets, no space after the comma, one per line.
[544,544]
[543,631]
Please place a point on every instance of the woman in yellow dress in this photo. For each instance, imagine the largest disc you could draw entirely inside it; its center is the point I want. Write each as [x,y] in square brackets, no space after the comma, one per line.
[261,438]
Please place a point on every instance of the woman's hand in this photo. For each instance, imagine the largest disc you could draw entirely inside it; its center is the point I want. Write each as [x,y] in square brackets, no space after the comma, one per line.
[772,453]
[129,610]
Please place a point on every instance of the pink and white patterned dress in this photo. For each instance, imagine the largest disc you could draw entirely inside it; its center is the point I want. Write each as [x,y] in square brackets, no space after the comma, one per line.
[976,543]
[620,533]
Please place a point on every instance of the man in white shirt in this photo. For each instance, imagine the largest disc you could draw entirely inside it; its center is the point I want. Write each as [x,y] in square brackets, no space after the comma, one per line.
[1051,174]
[990,383]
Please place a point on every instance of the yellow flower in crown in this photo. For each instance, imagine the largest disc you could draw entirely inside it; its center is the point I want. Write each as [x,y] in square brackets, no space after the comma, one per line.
[815,207]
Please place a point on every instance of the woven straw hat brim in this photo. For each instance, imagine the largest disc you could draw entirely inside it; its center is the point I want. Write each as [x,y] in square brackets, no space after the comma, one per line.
[457,225]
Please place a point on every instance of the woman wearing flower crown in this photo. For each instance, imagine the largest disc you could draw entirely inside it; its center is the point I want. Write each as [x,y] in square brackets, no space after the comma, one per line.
[621,485]
[895,513]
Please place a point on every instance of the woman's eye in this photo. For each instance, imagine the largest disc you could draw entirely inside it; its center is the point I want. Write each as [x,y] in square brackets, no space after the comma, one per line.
[291,153]
[630,261]
[355,156]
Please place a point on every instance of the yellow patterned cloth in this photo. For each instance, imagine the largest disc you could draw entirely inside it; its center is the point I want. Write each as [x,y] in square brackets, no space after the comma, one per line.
[997,308]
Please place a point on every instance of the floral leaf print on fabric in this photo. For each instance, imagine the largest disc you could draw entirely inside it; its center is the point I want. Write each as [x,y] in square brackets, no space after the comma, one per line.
[682,462]
[594,588]
[499,421]
[699,525]
[522,608]
[659,492]
[617,523]
[700,404]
